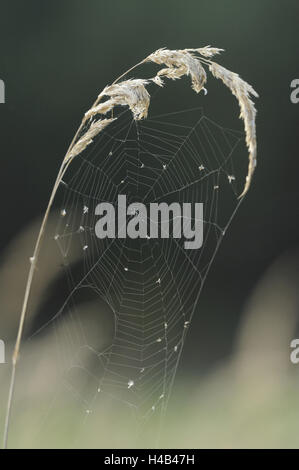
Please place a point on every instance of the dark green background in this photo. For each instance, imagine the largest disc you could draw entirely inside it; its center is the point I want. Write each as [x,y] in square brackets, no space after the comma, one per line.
[55,56]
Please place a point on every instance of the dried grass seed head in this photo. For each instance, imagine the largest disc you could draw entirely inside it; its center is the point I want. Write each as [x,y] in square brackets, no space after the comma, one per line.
[94,129]
[179,63]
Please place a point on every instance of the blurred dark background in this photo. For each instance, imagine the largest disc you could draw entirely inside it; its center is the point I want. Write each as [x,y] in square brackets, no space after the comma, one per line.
[55,57]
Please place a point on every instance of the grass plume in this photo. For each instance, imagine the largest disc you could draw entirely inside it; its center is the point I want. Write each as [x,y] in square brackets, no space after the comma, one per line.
[133,93]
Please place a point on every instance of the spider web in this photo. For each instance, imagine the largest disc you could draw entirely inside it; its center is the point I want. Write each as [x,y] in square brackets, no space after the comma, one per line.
[142,292]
